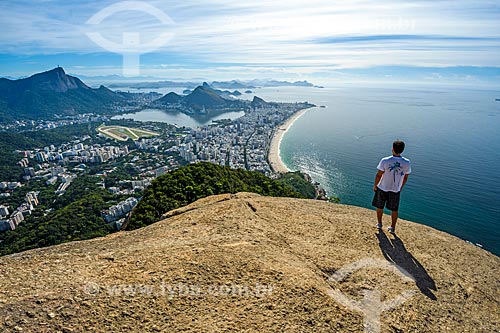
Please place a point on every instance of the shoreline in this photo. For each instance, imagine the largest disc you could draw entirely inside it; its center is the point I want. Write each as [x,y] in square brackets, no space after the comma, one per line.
[274,149]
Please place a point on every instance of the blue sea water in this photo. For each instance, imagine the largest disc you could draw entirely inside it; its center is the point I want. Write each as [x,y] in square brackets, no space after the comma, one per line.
[452,137]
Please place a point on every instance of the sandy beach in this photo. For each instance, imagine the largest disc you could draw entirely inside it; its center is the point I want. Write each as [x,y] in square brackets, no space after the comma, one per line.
[274,150]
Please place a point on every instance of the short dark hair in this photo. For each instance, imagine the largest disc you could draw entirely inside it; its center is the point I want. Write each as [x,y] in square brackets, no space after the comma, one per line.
[398,146]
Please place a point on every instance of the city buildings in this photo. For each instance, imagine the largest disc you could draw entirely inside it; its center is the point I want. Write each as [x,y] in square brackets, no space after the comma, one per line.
[26,208]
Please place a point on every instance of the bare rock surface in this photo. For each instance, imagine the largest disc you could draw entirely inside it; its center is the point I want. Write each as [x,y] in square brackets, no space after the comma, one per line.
[250,263]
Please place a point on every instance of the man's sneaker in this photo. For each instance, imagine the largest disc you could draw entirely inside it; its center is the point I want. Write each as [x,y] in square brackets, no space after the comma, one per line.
[391,230]
[378,225]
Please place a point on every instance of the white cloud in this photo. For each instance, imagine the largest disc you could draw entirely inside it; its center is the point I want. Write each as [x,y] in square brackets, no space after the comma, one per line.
[272,33]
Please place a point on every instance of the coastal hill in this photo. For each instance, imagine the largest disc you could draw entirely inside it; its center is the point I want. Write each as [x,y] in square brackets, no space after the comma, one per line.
[223,93]
[251,263]
[202,100]
[51,93]
[205,96]
[201,96]
[258,102]
[170,98]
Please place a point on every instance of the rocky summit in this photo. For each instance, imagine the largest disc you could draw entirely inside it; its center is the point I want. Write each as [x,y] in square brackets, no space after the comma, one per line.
[255,264]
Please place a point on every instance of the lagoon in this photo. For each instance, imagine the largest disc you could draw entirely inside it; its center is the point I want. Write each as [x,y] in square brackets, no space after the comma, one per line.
[178,118]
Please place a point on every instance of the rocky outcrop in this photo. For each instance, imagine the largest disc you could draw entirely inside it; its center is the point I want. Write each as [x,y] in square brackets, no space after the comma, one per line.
[256,264]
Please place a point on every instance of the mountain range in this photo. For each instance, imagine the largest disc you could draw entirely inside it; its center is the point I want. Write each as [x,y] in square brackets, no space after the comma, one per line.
[234,84]
[52,94]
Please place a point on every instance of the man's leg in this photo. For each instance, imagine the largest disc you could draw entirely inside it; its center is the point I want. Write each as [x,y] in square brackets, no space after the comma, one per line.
[393,205]
[394,216]
[380,213]
[379,201]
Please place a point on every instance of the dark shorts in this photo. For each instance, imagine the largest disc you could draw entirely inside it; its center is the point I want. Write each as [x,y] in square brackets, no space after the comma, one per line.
[390,200]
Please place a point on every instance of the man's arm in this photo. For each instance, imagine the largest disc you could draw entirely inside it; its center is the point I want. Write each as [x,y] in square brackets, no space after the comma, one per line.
[379,175]
[404,181]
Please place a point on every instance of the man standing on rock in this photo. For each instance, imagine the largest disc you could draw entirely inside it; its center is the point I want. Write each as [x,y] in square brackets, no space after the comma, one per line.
[393,172]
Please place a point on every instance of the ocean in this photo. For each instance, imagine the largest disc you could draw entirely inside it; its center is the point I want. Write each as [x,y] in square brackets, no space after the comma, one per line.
[452,138]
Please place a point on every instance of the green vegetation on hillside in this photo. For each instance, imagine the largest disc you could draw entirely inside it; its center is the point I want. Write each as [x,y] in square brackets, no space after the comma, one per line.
[78,221]
[297,181]
[188,184]
[9,169]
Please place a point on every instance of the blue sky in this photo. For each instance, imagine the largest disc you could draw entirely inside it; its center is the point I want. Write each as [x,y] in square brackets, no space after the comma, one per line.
[321,41]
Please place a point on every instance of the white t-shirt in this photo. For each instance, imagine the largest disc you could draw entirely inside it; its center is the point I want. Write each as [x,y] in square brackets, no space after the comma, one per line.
[395,168]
